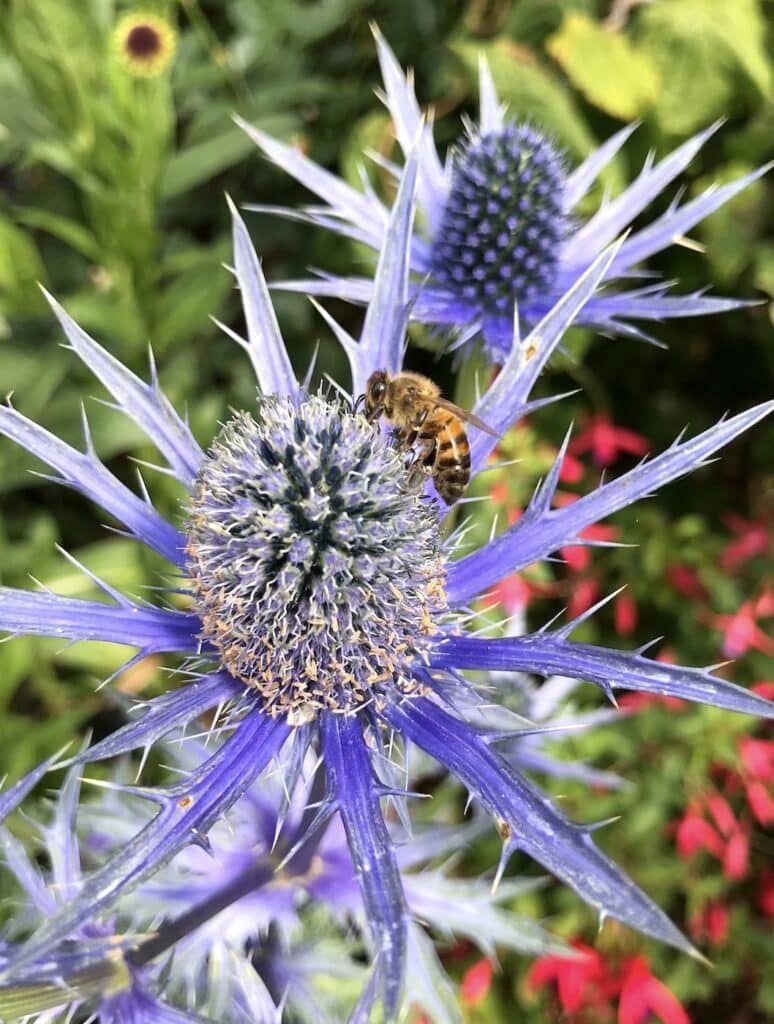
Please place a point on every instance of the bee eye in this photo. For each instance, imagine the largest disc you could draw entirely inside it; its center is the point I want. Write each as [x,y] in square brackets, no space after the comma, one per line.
[378,390]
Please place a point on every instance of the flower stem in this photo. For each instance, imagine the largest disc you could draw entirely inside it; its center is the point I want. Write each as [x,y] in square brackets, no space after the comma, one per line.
[254,877]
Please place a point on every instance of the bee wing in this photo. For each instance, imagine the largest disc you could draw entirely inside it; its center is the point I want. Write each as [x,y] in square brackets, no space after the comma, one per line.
[463,414]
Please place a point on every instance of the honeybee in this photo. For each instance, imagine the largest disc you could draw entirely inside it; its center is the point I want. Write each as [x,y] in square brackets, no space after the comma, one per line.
[414,406]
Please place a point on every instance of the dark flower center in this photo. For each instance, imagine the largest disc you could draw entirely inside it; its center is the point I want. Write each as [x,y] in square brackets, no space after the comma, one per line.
[142,42]
[315,570]
[503,222]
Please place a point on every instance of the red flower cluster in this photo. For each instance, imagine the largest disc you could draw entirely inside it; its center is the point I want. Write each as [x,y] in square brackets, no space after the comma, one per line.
[709,823]
[586,982]
[753,538]
[604,441]
[741,631]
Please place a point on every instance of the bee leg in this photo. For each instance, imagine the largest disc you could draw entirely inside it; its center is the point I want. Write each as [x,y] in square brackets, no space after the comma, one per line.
[424,460]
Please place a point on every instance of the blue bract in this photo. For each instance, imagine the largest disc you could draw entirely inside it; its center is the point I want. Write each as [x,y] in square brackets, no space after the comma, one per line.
[326,614]
[499,233]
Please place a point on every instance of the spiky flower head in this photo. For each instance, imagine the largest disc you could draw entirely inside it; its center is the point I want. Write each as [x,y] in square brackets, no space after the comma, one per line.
[503,223]
[315,569]
[144,44]
[337,549]
[499,238]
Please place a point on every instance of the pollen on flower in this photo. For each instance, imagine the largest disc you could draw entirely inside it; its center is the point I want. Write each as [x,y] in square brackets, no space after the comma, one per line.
[317,573]
[503,222]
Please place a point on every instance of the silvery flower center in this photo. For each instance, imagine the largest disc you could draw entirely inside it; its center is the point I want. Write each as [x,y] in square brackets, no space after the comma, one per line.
[315,570]
[503,222]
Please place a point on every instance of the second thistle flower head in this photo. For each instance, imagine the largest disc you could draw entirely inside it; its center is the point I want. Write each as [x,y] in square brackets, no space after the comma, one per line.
[503,222]
[316,571]
[500,230]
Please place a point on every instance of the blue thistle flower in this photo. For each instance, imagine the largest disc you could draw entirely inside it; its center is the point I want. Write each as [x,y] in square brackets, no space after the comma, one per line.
[91,971]
[498,234]
[337,577]
[260,940]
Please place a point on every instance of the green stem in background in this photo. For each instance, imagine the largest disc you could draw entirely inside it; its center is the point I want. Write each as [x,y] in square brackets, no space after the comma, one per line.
[218,52]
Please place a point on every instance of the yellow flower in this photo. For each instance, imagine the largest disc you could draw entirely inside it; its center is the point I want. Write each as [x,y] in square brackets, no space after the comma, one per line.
[144,43]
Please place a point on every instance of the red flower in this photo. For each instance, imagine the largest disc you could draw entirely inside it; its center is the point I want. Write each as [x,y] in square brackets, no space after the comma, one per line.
[477,981]
[723,816]
[729,842]
[711,923]
[694,833]
[758,757]
[572,469]
[575,977]
[605,441]
[741,630]
[753,538]
[685,579]
[764,690]
[585,593]
[625,614]
[760,802]
[736,855]
[644,997]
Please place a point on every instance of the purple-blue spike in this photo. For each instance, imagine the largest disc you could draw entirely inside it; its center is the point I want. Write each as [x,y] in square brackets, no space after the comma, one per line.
[386,321]
[538,533]
[147,405]
[13,796]
[164,714]
[528,821]
[264,346]
[356,791]
[504,402]
[44,614]
[546,654]
[84,472]
[189,806]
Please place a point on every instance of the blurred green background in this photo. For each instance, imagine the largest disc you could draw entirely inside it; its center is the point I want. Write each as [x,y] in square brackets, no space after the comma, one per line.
[113,197]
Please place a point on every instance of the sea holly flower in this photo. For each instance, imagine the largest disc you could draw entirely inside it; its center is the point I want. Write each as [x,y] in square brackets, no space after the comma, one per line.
[260,856]
[326,609]
[499,229]
[90,972]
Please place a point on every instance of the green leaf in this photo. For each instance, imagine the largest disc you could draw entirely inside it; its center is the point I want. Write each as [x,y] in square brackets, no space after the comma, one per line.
[730,235]
[605,67]
[704,49]
[203,160]
[20,270]
[66,230]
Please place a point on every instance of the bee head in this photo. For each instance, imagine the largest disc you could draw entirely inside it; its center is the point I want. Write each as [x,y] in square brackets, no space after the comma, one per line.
[376,389]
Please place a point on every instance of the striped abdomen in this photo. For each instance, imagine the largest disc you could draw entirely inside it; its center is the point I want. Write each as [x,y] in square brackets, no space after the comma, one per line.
[451,466]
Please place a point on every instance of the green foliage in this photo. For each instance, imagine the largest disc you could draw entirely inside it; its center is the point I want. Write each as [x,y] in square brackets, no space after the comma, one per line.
[610,72]
[713,53]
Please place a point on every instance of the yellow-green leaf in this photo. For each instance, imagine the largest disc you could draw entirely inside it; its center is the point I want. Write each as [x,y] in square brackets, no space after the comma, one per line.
[605,67]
